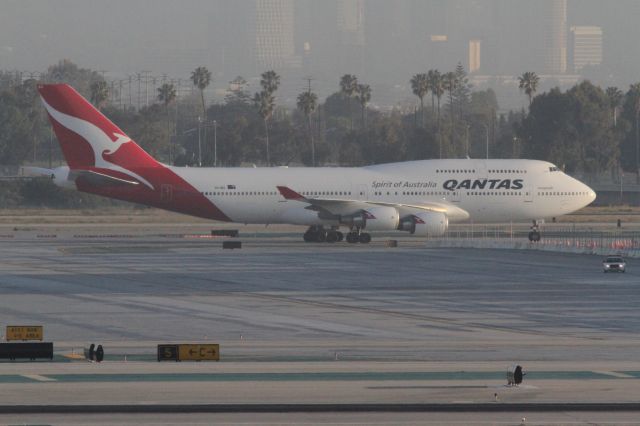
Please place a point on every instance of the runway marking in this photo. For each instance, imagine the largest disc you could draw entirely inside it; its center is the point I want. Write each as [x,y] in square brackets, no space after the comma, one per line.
[615,374]
[38,378]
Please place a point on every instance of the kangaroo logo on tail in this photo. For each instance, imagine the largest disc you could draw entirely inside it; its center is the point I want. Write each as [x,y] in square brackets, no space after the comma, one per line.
[100,142]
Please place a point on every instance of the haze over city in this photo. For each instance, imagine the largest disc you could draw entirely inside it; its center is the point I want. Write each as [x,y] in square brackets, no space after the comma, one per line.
[383,42]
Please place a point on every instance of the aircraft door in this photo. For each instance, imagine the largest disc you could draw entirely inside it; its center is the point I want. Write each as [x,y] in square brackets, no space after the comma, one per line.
[528,193]
[360,192]
[166,193]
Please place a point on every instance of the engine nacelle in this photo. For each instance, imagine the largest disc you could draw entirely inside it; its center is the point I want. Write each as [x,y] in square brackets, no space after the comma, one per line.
[379,219]
[426,224]
[61,178]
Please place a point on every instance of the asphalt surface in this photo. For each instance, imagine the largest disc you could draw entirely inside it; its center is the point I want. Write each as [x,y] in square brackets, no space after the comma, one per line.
[317,324]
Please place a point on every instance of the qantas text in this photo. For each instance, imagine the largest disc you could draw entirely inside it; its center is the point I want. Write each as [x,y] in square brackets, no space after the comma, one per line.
[453,184]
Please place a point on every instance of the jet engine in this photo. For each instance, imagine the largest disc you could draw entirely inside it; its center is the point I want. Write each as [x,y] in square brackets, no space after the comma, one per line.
[431,224]
[378,219]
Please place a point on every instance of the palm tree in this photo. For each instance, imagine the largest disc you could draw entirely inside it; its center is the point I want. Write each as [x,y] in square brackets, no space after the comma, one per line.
[363,96]
[349,86]
[270,81]
[420,87]
[307,102]
[528,82]
[615,97]
[450,84]
[265,104]
[201,78]
[438,89]
[99,93]
[166,95]
[433,77]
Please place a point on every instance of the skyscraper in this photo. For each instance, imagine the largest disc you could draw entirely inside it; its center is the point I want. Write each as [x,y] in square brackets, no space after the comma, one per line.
[351,35]
[585,47]
[274,35]
[555,33]
[474,55]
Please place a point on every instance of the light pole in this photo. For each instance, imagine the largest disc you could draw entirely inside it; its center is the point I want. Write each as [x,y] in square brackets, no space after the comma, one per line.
[215,143]
[486,130]
[199,142]
[467,139]
[637,139]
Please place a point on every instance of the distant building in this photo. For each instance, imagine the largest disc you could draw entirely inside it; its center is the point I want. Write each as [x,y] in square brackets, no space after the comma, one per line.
[351,35]
[585,47]
[474,55]
[555,33]
[274,35]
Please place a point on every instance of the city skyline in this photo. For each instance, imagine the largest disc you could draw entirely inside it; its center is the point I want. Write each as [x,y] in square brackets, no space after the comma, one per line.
[382,42]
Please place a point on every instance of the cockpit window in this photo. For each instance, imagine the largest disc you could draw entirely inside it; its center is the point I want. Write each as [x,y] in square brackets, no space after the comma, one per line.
[554,169]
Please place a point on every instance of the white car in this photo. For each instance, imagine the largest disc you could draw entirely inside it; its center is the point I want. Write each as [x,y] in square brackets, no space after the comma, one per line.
[614,264]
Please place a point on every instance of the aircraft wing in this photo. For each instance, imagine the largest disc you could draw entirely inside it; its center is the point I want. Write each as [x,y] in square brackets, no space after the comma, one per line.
[348,207]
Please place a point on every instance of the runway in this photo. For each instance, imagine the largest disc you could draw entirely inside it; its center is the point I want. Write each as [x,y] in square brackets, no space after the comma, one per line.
[317,324]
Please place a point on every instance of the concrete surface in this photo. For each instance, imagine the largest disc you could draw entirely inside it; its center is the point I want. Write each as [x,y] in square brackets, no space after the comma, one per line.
[317,323]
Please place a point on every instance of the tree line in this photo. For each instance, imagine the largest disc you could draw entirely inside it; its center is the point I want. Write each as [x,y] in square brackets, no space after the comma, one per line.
[583,129]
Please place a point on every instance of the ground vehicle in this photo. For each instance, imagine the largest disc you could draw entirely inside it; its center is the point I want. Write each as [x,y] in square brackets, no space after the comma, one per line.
[614,263]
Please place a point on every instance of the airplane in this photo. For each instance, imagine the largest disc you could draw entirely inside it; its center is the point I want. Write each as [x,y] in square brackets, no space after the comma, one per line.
[418,197]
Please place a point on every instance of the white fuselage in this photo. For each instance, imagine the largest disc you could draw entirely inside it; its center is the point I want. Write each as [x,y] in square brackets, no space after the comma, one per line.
[489,190]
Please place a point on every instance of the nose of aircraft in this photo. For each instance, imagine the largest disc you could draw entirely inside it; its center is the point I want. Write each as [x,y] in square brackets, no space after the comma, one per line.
[591,195]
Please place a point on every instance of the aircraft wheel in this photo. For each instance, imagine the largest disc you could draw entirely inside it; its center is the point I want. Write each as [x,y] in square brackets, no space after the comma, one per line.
[365,238]
[340,236]
[321,236]
[332,236]
[352,238]
[309,237]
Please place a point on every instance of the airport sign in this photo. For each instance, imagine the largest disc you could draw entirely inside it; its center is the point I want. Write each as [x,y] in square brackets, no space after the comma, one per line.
[24,332]
[189,352]
[205,352]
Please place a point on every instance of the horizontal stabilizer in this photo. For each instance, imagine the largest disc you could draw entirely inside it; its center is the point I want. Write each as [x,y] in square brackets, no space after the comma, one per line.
[36,172]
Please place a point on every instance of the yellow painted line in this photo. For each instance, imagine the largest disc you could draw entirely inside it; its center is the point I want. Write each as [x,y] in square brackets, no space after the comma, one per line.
[38,377]
[73,356]
[615,374]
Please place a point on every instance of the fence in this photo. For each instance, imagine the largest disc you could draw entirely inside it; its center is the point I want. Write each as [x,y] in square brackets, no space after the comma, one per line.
[554,238]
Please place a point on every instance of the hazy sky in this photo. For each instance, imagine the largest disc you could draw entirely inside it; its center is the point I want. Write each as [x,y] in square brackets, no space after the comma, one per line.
[122,37]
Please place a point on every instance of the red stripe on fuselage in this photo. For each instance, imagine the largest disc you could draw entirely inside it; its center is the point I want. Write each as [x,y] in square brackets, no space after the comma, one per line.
[170,192]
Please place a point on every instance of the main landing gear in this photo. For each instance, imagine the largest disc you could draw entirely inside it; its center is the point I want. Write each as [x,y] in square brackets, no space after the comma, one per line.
[317,234]
[534,234]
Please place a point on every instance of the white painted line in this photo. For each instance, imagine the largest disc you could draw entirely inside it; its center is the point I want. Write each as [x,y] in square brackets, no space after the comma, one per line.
[38,378]
[615,374]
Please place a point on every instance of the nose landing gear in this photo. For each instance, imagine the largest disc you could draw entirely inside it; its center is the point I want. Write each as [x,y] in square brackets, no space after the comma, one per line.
[534,234]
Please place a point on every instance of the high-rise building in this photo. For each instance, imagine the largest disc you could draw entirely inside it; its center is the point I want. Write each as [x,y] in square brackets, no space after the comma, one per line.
[274,35]
[585,46]
[555,33]
[351,35]
[351,21]
[474,55]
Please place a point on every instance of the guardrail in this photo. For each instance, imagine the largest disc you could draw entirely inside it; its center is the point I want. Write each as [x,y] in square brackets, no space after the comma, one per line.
[570,239]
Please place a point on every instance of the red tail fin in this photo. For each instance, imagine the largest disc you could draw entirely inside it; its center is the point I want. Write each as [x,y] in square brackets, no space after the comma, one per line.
[86,136]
